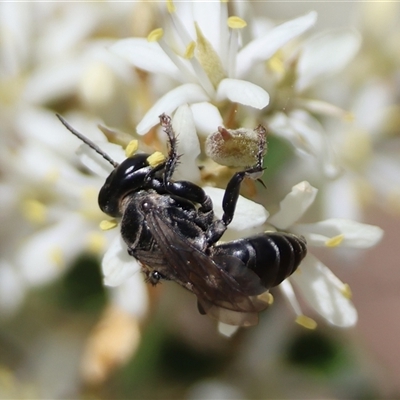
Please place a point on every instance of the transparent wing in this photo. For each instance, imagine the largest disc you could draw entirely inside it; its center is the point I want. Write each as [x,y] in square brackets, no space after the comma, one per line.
[225,288]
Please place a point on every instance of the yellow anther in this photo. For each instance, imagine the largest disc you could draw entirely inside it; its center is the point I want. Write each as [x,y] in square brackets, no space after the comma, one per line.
[334,241]
[170,6]
[57,257]
[106,225]
[96,242]
[189,52]
[266,297]
[156,159]
[52,176]
[235,22]
[306,322]
[34,211]
[131,149]
[155,35]
[346,291]
[276,64]
[349,116]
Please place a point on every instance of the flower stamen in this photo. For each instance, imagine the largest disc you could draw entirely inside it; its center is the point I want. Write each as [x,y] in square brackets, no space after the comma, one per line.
[201,75]
[234,23]
[156,159]
[171,6]
[57,257]
[306,322]
[346,291]
[334,241]
[96,242]
[106,225]
[189,52]
[131,149]
[157,35]
[34,211]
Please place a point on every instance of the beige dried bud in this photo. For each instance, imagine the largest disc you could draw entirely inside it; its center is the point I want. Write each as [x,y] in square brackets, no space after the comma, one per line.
[236,147]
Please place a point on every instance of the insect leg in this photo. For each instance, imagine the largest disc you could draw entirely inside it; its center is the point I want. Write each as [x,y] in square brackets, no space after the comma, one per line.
[231,195]
[185,189]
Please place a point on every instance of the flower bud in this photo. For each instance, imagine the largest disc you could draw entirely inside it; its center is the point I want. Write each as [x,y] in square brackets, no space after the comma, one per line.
[236,147]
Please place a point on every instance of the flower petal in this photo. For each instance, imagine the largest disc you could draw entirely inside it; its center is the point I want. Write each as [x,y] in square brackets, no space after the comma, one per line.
[227,330]
[353,234]
[288,291]
[131,296]
[242,92]
[146,55]
[95,162]
[12,288]
[248,215]
[46,254]
[325,55]
[294,205]
[264,47]
[207,118]
[117,264]
[207,16]
[188,93]
[188,144]
[325,292]
[306,134]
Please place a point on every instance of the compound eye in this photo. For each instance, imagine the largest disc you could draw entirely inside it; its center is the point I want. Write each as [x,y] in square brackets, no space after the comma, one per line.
[128,177]
[155,277]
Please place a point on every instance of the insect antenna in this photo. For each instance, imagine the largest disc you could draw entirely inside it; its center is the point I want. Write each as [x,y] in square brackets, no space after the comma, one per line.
[87,141]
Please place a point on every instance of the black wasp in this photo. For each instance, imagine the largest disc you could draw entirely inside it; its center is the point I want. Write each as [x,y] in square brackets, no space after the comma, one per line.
[170,228]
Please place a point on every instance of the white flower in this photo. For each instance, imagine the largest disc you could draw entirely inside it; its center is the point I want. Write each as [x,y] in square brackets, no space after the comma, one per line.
[204,51]
[320,57]
[47,199]
[316,282]
[52,208]
[326,293]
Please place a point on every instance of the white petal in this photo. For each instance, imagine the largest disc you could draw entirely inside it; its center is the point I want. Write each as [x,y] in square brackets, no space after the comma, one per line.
[12,288]
[207,16]
[207,118]
[53,82]
[294,205]
[306,134]
[325,292]
[355,234]
[227,330]
[42,125]
[264,47]
[248,214]
[242,92]
[340,198]
[132,296]
[188,144]
[188,93]
[325,55]
[287,290]
[95,162]
[117,264]
[46,254]
[146,55]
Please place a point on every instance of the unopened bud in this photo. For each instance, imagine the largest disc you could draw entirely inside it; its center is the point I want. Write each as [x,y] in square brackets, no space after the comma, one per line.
[236,147]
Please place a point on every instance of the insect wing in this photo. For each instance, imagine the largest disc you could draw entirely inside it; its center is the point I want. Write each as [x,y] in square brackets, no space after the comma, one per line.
[225,289]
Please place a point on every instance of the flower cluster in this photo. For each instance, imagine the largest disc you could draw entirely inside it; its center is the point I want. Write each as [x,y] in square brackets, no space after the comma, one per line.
[219,70]
[213,67]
